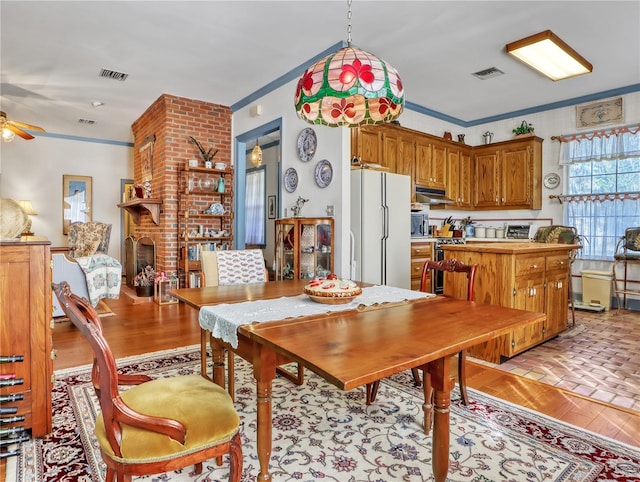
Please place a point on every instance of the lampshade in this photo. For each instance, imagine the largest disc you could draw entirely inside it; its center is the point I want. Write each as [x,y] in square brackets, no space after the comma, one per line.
[548,54]
[27,207]
[256,155]
[350,87]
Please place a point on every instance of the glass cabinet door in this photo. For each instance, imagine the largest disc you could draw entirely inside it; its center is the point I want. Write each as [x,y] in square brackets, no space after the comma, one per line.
[304,248]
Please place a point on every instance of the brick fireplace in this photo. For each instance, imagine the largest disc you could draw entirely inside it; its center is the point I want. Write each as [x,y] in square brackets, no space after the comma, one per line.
[172,120]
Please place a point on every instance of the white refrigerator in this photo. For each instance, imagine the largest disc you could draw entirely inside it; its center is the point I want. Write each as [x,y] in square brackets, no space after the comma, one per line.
[381,228]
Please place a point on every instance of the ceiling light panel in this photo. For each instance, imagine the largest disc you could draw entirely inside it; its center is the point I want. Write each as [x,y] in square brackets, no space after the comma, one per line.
[548,54]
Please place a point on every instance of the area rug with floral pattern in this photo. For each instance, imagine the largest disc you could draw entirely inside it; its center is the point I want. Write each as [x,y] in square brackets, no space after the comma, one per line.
[323,433]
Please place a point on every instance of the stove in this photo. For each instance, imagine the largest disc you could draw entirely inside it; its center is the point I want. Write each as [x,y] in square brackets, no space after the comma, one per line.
[443,241]
[438,279]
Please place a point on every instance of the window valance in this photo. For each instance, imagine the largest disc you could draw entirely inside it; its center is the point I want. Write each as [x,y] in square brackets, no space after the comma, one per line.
[619,143]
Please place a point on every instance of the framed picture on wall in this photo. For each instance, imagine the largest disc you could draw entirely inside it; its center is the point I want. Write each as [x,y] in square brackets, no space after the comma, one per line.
[146,159]
[599,113]
[271,207]
[76,200]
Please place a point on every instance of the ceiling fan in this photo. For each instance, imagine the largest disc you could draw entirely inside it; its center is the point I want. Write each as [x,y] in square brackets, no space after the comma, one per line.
[10,128]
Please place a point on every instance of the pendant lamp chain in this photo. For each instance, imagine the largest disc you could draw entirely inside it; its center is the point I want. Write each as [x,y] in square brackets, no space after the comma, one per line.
[349,23]
[350,87]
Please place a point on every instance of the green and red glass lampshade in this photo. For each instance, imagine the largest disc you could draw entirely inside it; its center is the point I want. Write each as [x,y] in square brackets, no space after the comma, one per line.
[350,87]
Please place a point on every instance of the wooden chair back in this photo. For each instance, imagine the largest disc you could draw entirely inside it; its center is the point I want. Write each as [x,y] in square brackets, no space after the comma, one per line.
[451,265]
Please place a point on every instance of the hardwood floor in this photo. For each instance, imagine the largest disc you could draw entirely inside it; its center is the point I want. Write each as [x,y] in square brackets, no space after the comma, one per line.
[147,327]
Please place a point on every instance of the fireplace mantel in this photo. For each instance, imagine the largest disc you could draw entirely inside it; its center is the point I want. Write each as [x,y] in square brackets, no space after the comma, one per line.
[136,206]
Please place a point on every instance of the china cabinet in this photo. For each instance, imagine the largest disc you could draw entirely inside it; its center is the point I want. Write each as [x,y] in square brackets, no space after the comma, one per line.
[25,334]
[304,248]
[205,217]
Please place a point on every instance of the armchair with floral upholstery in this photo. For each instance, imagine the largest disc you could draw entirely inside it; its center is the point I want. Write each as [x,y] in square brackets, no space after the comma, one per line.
[86,239]
[87,267]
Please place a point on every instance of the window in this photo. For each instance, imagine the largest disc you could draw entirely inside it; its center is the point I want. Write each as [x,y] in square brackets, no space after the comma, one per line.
[603,181]
[255,207]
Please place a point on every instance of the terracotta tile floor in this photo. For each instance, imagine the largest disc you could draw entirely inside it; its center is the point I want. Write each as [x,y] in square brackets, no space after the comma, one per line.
[597,358]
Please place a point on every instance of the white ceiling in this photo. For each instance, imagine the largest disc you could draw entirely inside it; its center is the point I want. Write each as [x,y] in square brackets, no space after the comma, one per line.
[223,51]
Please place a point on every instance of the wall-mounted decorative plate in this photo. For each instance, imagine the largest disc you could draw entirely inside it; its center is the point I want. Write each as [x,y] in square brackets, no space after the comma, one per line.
[324,173]
[290,179]
[307,143]
[551,180]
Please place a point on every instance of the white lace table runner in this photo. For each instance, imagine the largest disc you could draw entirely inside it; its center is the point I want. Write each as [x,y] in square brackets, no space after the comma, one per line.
[224,319]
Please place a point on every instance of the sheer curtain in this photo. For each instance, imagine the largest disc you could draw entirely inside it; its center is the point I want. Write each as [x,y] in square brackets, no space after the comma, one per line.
[619,143]
[603,169]
[255,207]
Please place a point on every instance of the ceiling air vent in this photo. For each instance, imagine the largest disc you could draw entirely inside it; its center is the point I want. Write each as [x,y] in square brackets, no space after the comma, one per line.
[86,121]
[488,73]
[112,74]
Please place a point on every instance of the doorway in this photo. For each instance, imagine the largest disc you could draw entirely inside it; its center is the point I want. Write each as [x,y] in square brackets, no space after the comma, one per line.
[268,137]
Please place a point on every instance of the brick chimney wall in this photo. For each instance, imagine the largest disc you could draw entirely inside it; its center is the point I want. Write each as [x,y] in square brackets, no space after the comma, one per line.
[172,120]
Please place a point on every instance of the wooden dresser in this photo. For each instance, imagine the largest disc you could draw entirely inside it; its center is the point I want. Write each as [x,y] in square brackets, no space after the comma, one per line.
[25,330]
[526,276]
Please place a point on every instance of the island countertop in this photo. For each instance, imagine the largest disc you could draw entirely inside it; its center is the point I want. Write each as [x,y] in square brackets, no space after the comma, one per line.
[510,247]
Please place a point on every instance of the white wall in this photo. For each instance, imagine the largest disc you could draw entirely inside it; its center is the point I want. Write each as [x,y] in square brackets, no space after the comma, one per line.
[34,169]
[332,145]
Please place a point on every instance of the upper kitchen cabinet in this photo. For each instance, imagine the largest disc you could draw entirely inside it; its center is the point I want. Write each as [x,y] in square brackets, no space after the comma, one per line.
[508,175]
[430,164]
[460,177]
[366,144]
[398,150]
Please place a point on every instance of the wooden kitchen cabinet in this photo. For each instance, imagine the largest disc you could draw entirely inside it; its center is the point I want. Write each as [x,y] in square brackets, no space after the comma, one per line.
[366,144]
[421,251]
[508,175]
[503,175]
[527,276]
[25,330]
[430,163]
[460,177]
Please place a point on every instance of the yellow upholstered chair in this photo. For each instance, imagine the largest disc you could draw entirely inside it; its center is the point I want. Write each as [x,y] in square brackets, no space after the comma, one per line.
[157,425]
[231,267]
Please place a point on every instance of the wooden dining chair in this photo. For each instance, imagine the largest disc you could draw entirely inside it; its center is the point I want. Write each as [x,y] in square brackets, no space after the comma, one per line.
[231,267]
[158,425]
[454,266]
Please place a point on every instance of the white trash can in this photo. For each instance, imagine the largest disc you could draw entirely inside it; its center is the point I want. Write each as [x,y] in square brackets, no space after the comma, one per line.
[596,288]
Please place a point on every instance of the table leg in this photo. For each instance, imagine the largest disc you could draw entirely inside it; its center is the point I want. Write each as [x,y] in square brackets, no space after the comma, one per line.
[440,374]
[204,334]
[427,407]
[217,352]
[264,371]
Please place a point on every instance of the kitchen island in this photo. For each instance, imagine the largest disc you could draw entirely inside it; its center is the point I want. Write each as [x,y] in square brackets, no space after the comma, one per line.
[526,276]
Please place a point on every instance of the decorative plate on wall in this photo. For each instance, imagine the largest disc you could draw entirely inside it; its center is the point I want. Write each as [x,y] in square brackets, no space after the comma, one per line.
[324,173]
[307,143]
[551,180]
[290,179]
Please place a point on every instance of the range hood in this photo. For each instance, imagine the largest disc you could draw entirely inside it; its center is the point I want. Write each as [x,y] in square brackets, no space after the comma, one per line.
[431,196]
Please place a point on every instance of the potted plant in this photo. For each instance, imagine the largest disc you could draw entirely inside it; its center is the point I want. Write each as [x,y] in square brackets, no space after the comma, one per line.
[523,130]
[207,155]
[144,281]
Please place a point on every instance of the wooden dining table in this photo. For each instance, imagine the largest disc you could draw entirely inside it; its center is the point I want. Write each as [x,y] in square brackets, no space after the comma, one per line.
[352,348]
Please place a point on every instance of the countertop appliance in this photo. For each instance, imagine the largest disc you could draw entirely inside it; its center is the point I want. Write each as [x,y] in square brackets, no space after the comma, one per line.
[380,224]
[419,224]
[518,231]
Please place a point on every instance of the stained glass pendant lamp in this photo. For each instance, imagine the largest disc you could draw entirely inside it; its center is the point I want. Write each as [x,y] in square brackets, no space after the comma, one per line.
[350,87]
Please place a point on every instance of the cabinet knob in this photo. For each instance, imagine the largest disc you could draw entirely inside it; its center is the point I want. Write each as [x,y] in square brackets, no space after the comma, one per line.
[418,250]
[418,268]
[533,266]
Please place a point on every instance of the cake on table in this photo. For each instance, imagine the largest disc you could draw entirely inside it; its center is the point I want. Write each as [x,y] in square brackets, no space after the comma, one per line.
[332,287]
